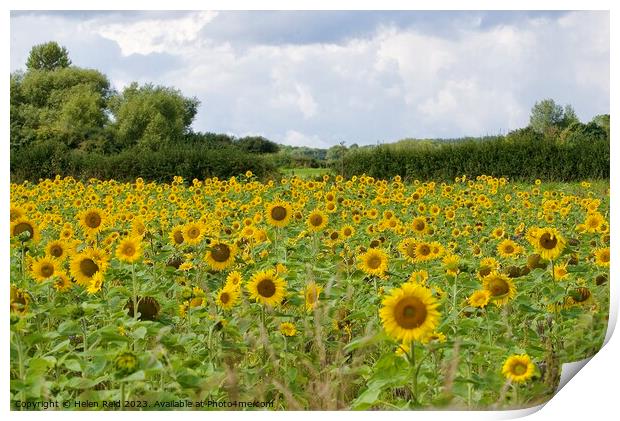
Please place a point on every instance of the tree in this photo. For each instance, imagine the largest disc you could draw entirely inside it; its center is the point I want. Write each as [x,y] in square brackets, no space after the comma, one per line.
[257,144]
[569,117]
[603,121]
[48,56]
[546,115]
[151,116]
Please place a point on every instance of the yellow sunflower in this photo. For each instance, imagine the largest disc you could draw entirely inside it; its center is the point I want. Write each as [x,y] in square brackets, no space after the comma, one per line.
[407,249]
[479,298]
[20,300]
[279,213]
[92,221]
[419,225]
[423,252]
[602,257]
[226,298]
[311,295]
[129,250]
[95,284]
[288,329]
[22,225]
[62,282]
[518,368]
[85,265]
[560,271]
[374,262]
[549,243]
[44,268]
[58,249]
[409,313]
[317,220]
[267,288]
[509,249]
[176,235]
[233,280]
[500,286]
[220,255]
[193,233]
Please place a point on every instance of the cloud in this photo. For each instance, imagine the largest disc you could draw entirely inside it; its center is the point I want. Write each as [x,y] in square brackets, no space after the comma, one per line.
[322,78]
[154,35]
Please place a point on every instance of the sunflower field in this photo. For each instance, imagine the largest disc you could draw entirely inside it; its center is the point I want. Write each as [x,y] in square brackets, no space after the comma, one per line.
[303,294]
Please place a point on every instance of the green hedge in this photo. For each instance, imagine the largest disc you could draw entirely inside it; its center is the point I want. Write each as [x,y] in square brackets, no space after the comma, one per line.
[49,159]
[519,159]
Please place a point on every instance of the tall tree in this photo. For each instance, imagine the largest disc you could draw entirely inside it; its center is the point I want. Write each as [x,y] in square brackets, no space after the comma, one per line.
[48,56]
[546,114]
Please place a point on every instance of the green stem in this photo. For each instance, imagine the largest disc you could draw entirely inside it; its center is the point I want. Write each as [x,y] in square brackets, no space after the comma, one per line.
[122,396]
[135,295]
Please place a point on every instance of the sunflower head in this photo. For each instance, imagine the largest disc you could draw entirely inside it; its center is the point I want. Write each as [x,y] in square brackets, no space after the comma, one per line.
[129,250]
[267,288]
[549,243]
[226,298]
[92,221]
[25,229]
[409,313]
[374,262]
[148,308]
[500,287]
[518,368]
[479,298]
[220,255]
[279,213]
[44,268]
[311,295]
[317,220]
[602,257]
[288,329]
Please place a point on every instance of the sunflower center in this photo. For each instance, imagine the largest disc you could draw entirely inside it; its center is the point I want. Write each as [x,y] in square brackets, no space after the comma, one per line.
[374,262]
[193,233]
[178,237]
[129,250]
[266,288]
[410,313]
[56,251]
[347,231]
[605,257]
[509,249]
[278,213]
[93,220]
[225,297]
[23,227]
[316,220]
[484,271]
[547,241]
[333,235]
[498,287]
[88,267]
[220,252]
[410,250]
[424,250]
[419,225]
[519,369]
[47,270]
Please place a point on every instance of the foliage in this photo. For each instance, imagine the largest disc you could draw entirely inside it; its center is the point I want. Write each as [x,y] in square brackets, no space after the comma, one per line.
[48,56]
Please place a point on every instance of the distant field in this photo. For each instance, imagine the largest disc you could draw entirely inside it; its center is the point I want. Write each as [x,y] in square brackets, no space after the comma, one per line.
[305,172]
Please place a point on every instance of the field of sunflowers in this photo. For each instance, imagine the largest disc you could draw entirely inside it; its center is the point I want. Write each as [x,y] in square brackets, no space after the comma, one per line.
[323,293]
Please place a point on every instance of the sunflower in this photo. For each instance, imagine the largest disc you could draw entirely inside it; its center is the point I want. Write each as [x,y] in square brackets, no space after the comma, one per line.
[434,336]
[193,233]
[233,280]
[509,249]
[423,252]
[279,213]
[347,231]
[418,277]
[317,220]
[549,243]
[95,284]
[92,221]
[85,265]
[16,213]
[288,329]
[500,287]
[451,264]
[44,268]
[62,282]
[419,225]
[409,313]
[220,255]
[560,271]
[518,368]
[267,288]
[25,225]
[57,249]
[487,265]
[226,298]
[20,299]
[593,222]
[311,295]
[602,256]
[129,250]
[176,235]
[407,249]
[479,298]
[373,262]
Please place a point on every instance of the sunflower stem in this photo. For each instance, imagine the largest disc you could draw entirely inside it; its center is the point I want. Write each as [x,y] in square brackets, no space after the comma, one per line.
[133,287]
[122,396]
[415,372]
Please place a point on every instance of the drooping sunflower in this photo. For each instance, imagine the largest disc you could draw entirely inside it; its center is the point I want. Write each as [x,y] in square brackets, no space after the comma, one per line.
[176,235]
[374,262]
[509,249]
[193,233]
[451,264]
[479,298]
[409,313]
[311,295]
[407,249]
[317,220]
[92,221]
[44,268]
[129,250]
[601,256]
[20,300]
[85,265]
[267,288]
[62,282]
[220,255]
[518,368]
[279,213]
[226,298]
[500,286]
[57,249]
[549,243]
[22,225]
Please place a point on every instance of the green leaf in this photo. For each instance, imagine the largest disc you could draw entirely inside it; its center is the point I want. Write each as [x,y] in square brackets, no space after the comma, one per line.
[73,365]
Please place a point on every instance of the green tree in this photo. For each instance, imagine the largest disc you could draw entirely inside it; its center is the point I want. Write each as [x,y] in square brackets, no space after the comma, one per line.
[546,115]
[48,56]
[570,116]
[151,116]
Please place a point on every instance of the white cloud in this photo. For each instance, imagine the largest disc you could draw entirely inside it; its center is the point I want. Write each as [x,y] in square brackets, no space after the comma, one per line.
[295,138]
[155,35]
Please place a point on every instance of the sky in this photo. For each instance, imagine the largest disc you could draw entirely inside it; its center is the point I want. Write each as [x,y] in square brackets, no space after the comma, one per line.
[324,77]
